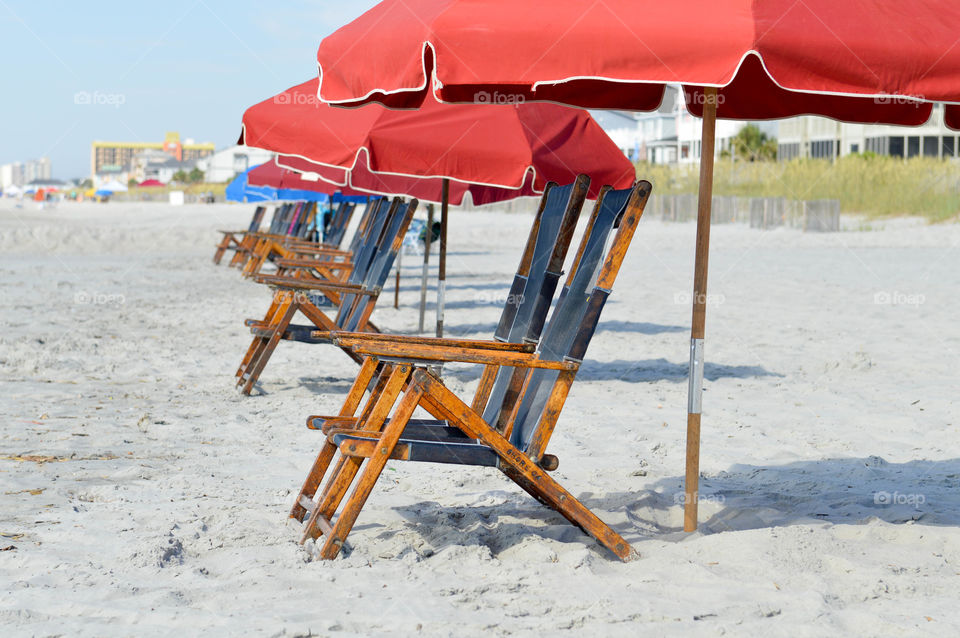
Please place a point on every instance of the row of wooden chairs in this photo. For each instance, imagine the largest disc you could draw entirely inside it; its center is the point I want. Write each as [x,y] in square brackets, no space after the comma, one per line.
[528,369]
[293,224]
[528,366]
[290,244]
[353,286]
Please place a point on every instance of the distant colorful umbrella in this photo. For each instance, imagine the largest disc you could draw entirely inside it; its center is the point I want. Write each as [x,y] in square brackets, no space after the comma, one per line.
[113,186]
[438,153]
[882,61]
[241,190]
[147,183]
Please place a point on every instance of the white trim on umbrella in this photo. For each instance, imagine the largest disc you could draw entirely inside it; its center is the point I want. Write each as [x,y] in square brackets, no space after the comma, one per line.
[438,84]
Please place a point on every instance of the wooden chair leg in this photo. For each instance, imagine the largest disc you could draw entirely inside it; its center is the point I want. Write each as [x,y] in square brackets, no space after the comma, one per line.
[242,253]
[347,468]
[269,319]
[222,247]
[258,364]
[322,462]
[376,463]
[522,469]
[257,255]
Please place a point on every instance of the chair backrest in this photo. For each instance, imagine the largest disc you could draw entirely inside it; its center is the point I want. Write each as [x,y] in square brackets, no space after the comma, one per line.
[279,215]
[257,218]
[327,222]
[368,211]
[286,214]
[307,222]
[300,220]
[575,317]
[366,250]
[352,311]
[291,219]
[535,282]
[335,230]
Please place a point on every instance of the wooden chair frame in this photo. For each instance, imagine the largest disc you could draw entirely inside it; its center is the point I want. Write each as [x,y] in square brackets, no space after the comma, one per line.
[356,301]
[297,244]
[519,297]
[408,381]
[230,239]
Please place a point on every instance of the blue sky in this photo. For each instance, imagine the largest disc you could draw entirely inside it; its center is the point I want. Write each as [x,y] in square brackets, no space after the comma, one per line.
[191,66]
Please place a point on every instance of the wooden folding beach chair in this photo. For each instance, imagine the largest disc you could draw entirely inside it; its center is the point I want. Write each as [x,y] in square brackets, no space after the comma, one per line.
[297,242]
[230,239]
[510,433]
[520,322]
[327,262]
[356,299]
[335,230]
[303,226]
[279,219]
[519,328]
[292,225]
[332,268]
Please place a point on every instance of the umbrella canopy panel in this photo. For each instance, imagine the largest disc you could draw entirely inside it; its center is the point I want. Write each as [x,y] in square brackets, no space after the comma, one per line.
[515,147]
[620,53]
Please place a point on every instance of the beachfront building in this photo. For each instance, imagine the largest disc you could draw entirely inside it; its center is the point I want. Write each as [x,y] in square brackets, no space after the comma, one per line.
[116,159]
[227,163]
[819,137]
[669,135]
[22,173]
[158,165]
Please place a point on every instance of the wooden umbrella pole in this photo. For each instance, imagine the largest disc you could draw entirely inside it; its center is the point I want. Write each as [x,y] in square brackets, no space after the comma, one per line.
[426,264]
[442,276]
[695,390]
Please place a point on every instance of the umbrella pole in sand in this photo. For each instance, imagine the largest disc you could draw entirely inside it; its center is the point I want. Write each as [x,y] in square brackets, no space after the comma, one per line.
[695,390]
[426,264]
[442,276]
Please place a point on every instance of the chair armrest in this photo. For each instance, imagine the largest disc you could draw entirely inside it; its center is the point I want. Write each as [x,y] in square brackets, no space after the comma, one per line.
[290,283]
[317,249]
[313,263]
[351,339]
[434,354]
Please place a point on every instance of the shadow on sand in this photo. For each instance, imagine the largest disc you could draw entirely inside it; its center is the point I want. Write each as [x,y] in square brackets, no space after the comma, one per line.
[844,491]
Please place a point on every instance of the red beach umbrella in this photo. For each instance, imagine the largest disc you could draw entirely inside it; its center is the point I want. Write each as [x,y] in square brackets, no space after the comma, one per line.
[437,153]
[276,176]
[470,144]
[882,61]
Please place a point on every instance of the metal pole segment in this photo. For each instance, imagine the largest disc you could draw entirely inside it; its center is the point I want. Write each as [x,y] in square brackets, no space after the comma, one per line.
[707,144]
[426,265]
[396,285]
[442,276]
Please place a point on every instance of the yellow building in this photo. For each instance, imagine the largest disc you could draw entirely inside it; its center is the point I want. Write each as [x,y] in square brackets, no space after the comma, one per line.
[117,156]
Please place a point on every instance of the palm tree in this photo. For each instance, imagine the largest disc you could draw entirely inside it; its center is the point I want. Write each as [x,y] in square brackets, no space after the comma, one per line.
[753,145]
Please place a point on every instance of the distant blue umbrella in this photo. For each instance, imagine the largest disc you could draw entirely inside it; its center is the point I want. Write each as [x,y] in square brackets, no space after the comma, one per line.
[240,190]
[301,195]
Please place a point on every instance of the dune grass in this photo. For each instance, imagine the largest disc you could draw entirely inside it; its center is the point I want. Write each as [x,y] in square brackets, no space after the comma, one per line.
[874,186]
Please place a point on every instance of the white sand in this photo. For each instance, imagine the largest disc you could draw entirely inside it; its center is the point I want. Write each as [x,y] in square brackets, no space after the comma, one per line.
[166,509]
